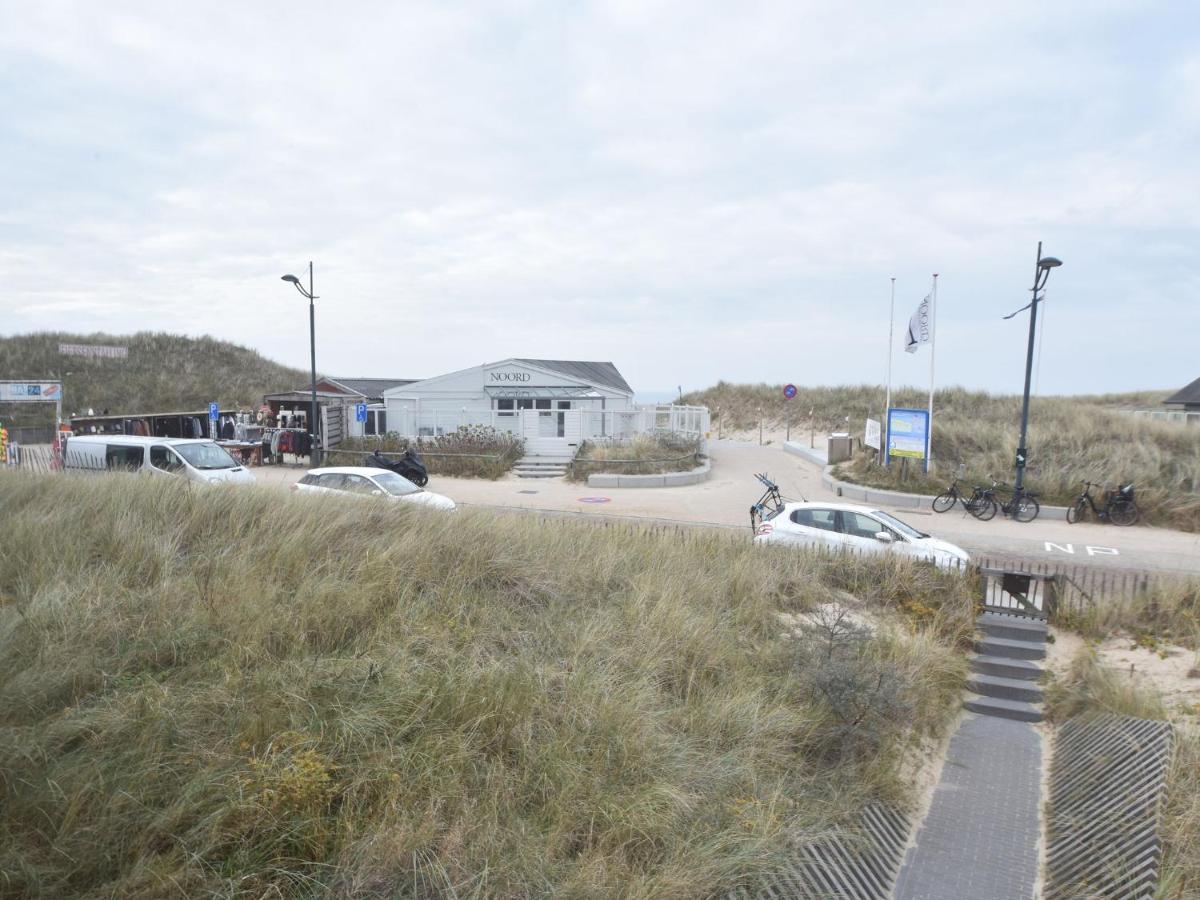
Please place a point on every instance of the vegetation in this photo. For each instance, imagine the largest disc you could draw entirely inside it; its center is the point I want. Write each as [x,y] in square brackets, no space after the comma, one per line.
[1071,439]
[163,373]
[1168,611]
[242,693]
[472,451]
[646,454]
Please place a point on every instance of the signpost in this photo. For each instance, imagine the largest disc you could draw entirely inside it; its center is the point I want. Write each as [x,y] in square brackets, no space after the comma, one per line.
[214,413]
[908,434]
[36,392]
[360,412]
[789,393]
[872,436]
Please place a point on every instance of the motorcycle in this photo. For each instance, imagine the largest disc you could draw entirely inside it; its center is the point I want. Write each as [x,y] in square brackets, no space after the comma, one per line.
[409,466]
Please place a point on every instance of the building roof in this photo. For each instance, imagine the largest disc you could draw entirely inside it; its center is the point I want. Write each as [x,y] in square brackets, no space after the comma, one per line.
[1189,394]
[601,373]
[370,387]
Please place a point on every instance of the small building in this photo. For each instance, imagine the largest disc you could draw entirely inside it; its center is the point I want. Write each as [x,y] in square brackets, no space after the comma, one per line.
[336,400]
[1186,400]
[553,404]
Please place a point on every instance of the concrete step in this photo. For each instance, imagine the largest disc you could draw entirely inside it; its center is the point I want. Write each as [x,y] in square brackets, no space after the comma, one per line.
[542,473]
[994,646]
[1012,627]
[1004,709]
[1006,667]
[1005,688]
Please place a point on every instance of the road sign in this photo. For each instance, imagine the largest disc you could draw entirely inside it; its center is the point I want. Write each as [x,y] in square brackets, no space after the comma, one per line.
[360,412]
[214,412]
[789,391]
[1022,455]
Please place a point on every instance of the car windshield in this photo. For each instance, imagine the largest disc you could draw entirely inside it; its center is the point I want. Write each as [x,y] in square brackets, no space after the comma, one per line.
[902,527]
[205,456]
[395,484]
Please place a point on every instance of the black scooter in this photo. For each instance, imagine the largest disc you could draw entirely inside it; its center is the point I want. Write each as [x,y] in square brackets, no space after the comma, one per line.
[409,466]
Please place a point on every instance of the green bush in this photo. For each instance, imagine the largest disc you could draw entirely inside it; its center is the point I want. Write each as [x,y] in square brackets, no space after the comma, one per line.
[471,451]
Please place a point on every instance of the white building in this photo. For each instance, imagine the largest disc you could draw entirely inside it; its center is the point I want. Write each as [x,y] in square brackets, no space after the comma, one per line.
[553,404]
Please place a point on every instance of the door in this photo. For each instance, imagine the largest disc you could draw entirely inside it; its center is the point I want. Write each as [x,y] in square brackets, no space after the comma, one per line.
[859,530]
[813,528]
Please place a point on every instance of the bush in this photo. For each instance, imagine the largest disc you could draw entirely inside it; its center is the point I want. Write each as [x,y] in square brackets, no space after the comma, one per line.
[646,454]
[472,451]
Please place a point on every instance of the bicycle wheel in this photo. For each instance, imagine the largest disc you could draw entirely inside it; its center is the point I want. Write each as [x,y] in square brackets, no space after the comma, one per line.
[1026,509]
[1077,513]
[944,502]
[985,509]
[1123,512]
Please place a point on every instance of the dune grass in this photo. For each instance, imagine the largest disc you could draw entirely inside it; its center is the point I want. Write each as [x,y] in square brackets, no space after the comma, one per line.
[470,451]
[1071,439]
[242,693]
[645,454]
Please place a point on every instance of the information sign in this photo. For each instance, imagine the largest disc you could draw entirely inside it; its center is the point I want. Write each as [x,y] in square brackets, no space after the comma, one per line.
[214,412]
[871,439]
[908,433]
[360,412]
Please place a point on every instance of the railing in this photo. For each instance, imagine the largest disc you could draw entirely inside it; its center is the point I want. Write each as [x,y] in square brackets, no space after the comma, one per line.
[1176,416]
[576,424]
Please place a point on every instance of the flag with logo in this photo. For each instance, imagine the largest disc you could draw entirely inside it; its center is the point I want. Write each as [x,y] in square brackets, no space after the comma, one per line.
[920,327]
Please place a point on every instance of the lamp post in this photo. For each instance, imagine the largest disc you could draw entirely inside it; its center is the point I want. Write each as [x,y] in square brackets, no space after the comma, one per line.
[312,345]
[1040,274]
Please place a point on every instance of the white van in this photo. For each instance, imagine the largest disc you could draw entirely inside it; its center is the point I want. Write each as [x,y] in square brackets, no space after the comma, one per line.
[196,460]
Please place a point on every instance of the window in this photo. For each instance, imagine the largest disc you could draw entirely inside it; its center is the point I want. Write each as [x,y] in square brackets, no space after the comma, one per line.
[504,403]
[564,404]
[206,456]
[163,458]
[543,404]
[395,484]
[332,480]
[376,422]
[896,525]
[824,519]
[118,456]
[524,403]
[310,479]
[356,484]
[858,525]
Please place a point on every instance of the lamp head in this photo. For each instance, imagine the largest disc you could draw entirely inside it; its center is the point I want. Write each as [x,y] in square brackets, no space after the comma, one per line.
[292,278]
[1049,262]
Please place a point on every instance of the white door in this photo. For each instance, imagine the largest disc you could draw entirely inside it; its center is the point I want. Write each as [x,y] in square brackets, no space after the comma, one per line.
[811,527]
[859,530]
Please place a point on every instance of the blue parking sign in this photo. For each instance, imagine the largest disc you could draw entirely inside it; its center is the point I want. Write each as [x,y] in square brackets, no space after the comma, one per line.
[214,411]
[360,412]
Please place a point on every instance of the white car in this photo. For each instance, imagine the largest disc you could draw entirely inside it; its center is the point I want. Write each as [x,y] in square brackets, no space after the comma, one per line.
[856,529]
[363,481]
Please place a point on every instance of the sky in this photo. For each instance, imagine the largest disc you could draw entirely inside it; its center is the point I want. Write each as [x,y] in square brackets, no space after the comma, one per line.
[693,190]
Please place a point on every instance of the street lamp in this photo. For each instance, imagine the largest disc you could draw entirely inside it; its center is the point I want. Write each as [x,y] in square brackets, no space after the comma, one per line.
[1040,274]
[312,343]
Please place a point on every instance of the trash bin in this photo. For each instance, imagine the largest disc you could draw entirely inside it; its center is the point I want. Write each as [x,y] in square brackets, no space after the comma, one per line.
[840,447]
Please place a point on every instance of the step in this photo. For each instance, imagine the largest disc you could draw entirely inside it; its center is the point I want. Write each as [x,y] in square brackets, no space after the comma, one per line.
[1005,688]
[994,646]
[1006,667]
[546,474]
[1012,627]
[1004,709]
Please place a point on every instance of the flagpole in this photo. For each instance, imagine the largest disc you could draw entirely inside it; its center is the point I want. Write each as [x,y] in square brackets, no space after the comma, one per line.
[932,353]
[887,403]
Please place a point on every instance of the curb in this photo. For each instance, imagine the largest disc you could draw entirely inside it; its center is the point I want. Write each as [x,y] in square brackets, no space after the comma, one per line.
[669,479]
[863,494]
[812,455]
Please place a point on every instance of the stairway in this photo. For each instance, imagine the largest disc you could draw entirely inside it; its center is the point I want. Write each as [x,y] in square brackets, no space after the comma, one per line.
[542,466]
[1005,671]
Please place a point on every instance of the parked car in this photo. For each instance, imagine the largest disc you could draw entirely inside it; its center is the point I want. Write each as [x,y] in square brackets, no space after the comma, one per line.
[364,481]
[858,529]
[194,459]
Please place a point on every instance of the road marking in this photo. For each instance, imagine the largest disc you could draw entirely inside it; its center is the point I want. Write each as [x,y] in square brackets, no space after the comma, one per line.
[1051,547]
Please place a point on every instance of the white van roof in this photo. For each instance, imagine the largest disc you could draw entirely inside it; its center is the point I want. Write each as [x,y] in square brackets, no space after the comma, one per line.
[132,439]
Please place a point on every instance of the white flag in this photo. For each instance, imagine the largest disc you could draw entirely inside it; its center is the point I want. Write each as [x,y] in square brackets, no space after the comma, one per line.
[920,327]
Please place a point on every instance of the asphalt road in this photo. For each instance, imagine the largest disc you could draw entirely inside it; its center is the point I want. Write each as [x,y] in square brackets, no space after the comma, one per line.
[724,501]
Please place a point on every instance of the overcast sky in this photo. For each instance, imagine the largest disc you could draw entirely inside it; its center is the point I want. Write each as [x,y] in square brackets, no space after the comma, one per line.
[695,191]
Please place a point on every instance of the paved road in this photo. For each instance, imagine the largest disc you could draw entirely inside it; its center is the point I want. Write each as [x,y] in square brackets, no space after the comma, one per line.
[724,500]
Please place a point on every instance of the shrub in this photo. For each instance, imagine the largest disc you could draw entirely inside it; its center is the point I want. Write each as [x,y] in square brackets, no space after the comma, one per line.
[471,451]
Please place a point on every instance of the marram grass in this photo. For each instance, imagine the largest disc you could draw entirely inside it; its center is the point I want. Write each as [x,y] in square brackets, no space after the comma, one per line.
[208,692]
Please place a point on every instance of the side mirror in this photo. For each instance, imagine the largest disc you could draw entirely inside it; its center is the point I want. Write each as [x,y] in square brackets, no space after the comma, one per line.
[884,537]
[376,493]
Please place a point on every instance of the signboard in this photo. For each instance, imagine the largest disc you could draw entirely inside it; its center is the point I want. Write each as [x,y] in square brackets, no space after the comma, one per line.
[360,412]
[30,391]
[97,351]
[789,391]
[214,412]
[1022,455]
[908,433]
[872,437]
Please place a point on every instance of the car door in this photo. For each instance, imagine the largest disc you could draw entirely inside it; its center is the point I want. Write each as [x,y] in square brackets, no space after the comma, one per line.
[858,532]
[814,527]
[330,482]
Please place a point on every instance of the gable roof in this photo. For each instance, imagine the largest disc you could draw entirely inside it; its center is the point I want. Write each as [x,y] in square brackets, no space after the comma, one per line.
[1189,394]
[604,374]
[370,387]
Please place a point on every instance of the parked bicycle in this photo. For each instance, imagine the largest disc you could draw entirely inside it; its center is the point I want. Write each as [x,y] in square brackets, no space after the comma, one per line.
[944,502]
[1119,506]
[1021,505]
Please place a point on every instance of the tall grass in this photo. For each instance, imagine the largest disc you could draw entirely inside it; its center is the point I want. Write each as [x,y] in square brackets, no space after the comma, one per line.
[470,451]
[222,692]
[163,373]
[645,454]
[1071,439]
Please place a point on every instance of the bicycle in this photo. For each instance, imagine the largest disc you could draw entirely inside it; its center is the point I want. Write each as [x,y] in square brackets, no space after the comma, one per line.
[1119,506]
[944,502]
[1022,505]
